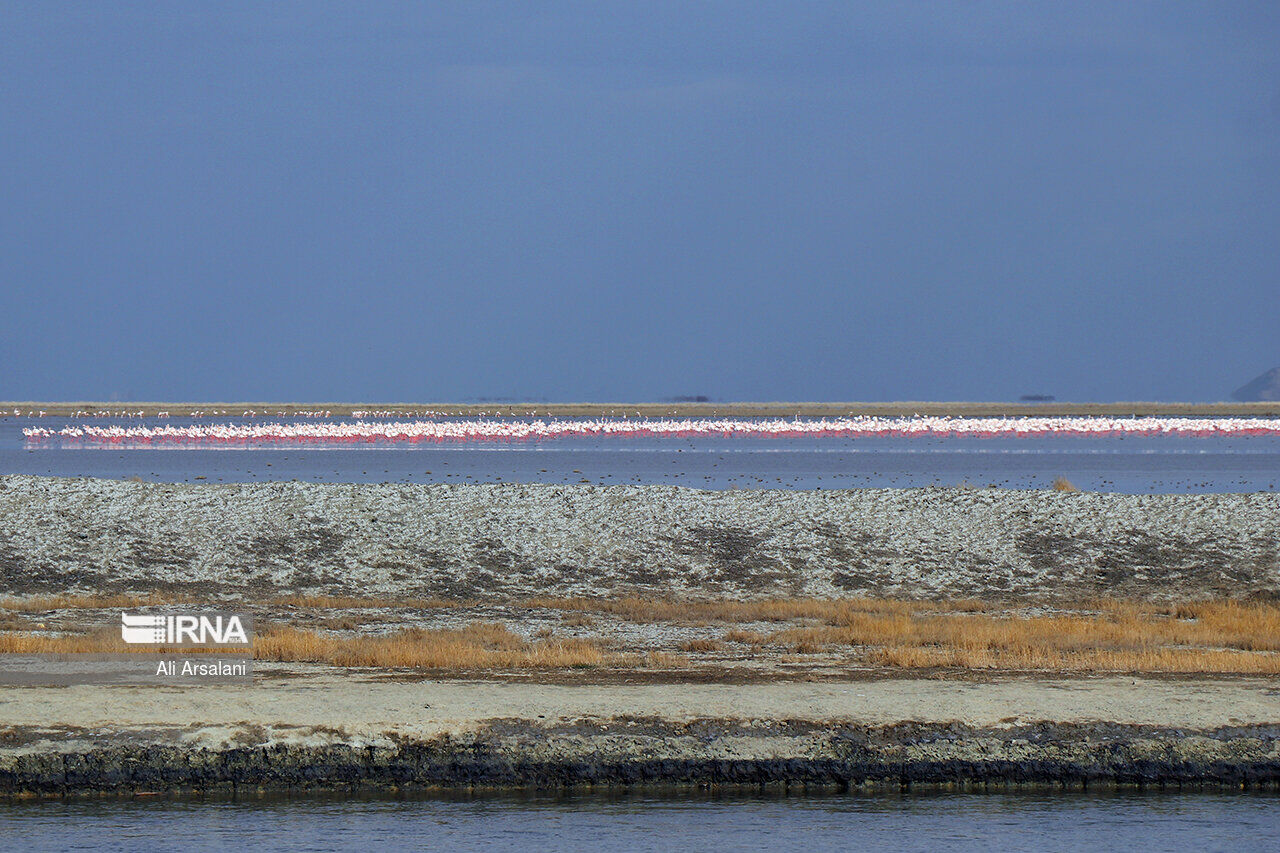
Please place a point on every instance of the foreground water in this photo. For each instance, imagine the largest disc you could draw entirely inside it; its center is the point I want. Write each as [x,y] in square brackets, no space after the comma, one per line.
[1023,821]
[1133,464]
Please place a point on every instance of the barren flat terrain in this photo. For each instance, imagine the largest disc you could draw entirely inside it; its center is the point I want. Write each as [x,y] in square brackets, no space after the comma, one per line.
[312,704]
[361,731]
[546,635]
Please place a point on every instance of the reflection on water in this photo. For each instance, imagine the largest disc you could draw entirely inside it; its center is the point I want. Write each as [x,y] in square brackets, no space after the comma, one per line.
[1162,464]
[1021,821]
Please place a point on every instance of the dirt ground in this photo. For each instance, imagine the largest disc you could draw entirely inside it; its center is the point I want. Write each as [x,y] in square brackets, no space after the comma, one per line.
[316,705]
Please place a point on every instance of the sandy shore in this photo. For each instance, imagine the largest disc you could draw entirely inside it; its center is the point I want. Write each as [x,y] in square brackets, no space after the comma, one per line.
[368,708]
[501,542]
[326,730]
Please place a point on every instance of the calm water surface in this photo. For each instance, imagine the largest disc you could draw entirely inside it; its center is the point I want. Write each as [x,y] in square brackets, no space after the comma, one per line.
[1104,464]
[1024,821]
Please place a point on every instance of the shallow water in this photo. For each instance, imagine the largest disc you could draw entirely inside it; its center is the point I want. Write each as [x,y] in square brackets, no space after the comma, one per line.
[1134,465]
[1021,821]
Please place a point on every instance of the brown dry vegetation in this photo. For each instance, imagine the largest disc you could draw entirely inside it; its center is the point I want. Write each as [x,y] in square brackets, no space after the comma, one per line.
[476,646]
[1220,636]
[666,660]
[96,642]
[1113,636]
[480,645]
[1201,637]
[101,641]
[39,604]
[1106,635]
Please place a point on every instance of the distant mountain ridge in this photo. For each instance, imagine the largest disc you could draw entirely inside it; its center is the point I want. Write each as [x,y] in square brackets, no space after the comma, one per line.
[1265,388]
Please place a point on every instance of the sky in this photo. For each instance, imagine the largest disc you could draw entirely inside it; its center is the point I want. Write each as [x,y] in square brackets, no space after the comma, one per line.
[605,201]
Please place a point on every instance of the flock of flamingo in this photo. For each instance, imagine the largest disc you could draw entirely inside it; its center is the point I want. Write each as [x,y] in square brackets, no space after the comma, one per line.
[200,413]
[419,431]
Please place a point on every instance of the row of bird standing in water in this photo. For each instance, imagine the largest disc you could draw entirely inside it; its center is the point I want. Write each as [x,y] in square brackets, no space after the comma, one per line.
[200,413]
[357,432]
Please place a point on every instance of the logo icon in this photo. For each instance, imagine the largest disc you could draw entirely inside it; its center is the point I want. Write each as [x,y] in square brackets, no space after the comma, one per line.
[185,629]
[139,628]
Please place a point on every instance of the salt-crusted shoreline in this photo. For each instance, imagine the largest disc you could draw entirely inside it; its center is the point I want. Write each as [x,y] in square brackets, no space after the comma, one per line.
[360,731]
[493,542]
[522,754]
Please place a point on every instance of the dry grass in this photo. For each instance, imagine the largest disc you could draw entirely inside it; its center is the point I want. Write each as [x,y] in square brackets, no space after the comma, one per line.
[476,646]
[480,645]
[38,604]
[665,660]
[1204,637]
[96,642]
[1104,635]
[1062,484]
[101,641]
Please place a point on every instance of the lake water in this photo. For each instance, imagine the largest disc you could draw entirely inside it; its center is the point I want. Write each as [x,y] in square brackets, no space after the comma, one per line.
[1132,464]
[1022,821]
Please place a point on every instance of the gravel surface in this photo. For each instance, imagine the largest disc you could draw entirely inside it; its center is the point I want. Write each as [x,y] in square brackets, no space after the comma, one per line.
[504,541]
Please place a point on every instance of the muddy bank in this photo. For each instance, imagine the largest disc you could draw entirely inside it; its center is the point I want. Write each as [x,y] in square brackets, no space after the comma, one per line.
[506,541]
[639,752]
[307,727]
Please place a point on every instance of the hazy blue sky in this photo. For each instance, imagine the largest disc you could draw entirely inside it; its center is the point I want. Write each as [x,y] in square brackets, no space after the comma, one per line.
[430,201]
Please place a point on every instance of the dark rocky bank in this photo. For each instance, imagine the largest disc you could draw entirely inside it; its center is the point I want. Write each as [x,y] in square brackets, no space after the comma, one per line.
[708,753]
